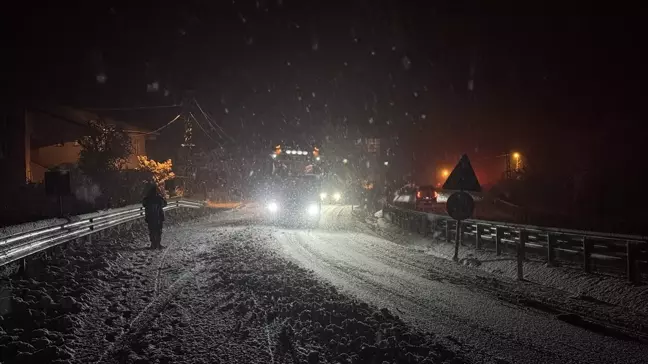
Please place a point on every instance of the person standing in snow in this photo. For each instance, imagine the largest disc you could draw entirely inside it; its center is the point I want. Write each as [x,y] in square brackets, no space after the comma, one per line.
[154,215]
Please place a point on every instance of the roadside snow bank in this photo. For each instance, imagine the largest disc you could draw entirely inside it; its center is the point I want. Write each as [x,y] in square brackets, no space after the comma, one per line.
[40,314]
[593,287]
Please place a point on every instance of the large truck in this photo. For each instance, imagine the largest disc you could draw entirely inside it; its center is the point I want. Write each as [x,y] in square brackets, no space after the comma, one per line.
[292,192]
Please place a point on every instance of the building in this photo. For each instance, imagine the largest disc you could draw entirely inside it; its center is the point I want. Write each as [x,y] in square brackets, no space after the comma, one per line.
[38,138]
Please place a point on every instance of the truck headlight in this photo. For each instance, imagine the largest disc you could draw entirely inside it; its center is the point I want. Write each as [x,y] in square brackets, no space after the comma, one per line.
[337,196]
[323,196]
[273,207]
[313,209]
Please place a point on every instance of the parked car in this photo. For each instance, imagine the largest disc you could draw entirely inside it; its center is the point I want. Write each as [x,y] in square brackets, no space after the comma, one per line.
[421,198]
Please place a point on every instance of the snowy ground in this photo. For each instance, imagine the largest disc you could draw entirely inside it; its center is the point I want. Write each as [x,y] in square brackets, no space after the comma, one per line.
[614,295]
[229,289]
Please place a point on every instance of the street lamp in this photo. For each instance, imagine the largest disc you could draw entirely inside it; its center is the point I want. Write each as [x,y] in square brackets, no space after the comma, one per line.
[345,161]
[518,160]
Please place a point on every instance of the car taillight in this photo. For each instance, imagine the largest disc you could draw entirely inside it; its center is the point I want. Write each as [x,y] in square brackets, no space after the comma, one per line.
[418,194]
[436,195]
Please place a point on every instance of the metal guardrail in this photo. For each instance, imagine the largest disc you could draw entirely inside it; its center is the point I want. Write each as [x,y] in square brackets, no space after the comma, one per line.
[593,251]
[18,246]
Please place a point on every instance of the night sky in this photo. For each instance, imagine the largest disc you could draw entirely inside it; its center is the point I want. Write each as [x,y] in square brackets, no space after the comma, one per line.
[445,79]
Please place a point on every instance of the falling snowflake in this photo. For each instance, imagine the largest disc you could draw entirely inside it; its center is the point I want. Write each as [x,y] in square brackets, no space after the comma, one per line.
[416,94]
[242,18]
[423,116]
[226,111]
[391,103]
[288,63]
[249,41]
[345,64]
[315,45]
[388,122]
[373,53]
[299,98]
[371,120]
[471,85]
[101,78]
[153,87]
[166,92]
[313,94]
[394,48]
[407,64]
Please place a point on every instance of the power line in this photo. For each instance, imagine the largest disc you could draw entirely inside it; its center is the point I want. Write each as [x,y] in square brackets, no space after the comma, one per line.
[158,129]
[208,118]
[203,129]
[134,108]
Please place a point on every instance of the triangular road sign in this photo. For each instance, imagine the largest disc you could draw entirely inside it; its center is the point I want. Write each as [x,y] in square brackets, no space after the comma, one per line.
[463,177]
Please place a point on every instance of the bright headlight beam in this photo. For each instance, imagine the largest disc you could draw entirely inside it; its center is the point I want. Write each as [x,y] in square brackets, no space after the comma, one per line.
[273,207]
[323,196]
[337,196]
[313,209]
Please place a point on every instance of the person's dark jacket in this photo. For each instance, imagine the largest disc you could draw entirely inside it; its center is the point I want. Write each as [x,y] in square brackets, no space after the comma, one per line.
[153,208]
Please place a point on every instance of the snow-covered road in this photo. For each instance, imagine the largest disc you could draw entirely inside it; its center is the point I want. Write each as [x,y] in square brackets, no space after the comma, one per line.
[406,281]
[230,289]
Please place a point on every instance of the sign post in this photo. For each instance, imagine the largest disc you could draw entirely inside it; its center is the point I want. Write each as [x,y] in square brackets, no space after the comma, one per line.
[460,205]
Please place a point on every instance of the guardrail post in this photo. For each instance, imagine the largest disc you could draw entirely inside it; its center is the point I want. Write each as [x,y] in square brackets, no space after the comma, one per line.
[478,237]
[550,249]
[587,255]
[524,236]
[631,263]
[91,229]
[424,225]
[413,223]
[499,233]
[22,266]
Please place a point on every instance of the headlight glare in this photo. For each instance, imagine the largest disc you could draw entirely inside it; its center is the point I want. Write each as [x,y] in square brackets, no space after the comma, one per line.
[337,196]
[323,196]
[313,209]
[273,207]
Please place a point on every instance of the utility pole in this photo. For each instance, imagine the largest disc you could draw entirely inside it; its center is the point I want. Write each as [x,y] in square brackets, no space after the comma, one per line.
[509,172]
[187,152]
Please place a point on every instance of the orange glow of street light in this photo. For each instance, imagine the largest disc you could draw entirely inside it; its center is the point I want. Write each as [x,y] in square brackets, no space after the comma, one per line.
[445,173]
[516,155]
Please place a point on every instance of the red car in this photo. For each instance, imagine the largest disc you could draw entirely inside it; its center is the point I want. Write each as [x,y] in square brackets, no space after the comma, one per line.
[426,198]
